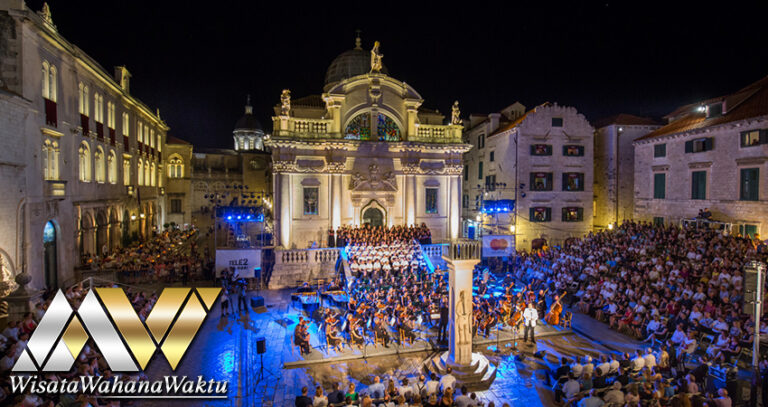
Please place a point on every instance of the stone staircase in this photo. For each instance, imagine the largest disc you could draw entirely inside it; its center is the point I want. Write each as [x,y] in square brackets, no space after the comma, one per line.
[478,376]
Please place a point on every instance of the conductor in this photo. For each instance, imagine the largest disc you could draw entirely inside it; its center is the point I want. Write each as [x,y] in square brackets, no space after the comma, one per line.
[530,316]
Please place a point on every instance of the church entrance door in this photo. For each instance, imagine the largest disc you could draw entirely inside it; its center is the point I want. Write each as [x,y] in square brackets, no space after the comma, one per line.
[373,217]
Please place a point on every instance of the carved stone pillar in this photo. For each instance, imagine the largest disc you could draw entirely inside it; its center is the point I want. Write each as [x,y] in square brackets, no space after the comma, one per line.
[454,200]
[460,325]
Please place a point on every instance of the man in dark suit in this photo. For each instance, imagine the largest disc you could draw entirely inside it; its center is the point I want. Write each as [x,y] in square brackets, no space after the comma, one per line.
[303,400]
[444,315]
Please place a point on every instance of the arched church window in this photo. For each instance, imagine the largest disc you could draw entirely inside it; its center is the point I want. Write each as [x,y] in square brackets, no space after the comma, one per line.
[359,128]
[387,129]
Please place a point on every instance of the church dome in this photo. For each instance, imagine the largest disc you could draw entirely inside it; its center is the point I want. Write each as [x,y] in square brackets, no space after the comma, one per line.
[248,121]
[356,61]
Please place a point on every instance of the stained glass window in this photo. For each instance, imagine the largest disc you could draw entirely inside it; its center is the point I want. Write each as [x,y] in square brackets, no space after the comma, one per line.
[387,129]
[310,201]
[431,203]
[359,128]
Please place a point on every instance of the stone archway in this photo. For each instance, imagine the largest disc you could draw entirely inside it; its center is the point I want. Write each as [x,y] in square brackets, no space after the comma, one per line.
[50,254]
[373,214]
[87,243]
[102,233]
[373,217]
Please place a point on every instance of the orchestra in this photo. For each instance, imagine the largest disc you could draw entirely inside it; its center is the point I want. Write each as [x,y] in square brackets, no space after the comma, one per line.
[394,291]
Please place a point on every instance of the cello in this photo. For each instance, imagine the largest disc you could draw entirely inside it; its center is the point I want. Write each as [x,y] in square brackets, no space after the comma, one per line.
[553,316]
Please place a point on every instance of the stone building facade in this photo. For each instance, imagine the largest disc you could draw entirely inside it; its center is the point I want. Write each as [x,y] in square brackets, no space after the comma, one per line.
[615,166]
[82,170]
[543,160]
[711,154]
[365,151]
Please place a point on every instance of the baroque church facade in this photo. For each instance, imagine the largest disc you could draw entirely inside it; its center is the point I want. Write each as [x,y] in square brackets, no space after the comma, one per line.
[365,151]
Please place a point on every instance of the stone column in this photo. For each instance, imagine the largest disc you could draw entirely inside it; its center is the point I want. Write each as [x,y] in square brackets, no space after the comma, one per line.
[285,210]
[460,325]
[335,201]
[454,202]
[410,199]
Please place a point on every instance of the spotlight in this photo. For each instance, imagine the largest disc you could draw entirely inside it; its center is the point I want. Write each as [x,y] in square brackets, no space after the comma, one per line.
[229,217]
[610,226]
[239,217]
[512,228]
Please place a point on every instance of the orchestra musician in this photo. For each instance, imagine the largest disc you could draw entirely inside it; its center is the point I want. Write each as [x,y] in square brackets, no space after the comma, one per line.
[382,332]
[356,333]
[541,305]
[553,316]
[334,340]
[530,316]
[301,336]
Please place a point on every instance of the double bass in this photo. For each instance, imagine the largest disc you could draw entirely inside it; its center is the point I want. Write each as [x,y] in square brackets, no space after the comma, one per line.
[553,316]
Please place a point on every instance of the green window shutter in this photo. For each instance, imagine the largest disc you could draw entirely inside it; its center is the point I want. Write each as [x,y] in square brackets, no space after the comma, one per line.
[763,136]
[660,150]
[659,186]
[750,182]
[699,185]
[689,146]
[709,144]
[480,170]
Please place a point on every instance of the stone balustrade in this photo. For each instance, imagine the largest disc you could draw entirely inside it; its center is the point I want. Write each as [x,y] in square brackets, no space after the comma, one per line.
[303,265]
[463,249]
[435,133]
[303,128]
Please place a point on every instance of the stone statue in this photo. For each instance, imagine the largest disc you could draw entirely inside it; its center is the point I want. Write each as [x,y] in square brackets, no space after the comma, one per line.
[285,102]
[455,114]
[462,319]
[376,58]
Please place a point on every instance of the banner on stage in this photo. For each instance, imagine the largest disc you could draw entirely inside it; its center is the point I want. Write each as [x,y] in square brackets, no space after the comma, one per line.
[498,245]
[243,260]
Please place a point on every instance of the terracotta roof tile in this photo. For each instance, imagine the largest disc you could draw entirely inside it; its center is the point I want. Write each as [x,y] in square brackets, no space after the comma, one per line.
[751,101]
[174,140]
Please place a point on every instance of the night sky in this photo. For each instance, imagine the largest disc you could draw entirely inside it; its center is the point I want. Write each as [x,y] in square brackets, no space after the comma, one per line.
[198,63]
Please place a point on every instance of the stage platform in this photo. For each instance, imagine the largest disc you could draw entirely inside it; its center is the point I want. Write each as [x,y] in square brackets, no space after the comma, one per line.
[426,342]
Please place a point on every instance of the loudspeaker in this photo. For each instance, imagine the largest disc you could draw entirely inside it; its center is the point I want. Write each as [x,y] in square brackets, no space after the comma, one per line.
[257,302]
[261,345]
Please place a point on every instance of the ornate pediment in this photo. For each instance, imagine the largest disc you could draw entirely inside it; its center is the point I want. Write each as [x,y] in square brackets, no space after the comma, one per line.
[374,181]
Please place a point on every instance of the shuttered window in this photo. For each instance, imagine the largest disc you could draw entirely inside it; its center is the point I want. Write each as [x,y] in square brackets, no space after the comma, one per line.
[699,185]
[659,186]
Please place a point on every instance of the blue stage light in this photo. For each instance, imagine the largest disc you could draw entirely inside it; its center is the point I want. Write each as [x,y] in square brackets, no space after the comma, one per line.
[229,217]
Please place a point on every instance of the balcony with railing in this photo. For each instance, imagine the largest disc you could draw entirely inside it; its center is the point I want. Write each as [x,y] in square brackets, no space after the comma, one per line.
[435,133]
[303,128]
[463,249]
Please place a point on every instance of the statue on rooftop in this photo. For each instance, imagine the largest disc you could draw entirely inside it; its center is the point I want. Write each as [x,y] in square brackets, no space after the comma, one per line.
[456,114]
[376,57]
[285,102]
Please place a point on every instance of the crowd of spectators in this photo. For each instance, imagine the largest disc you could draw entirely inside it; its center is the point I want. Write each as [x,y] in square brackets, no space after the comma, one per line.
[421,391]
[646,378]
[662,284]
[14,338]
[168,256]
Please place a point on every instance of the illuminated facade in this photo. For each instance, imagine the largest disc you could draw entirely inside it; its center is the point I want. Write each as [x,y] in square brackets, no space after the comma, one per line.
[81,165]
[711,154]
[541,158]
[365,151]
